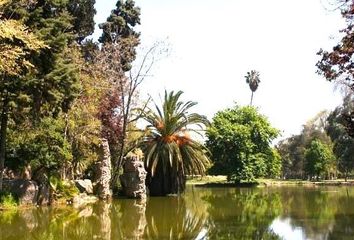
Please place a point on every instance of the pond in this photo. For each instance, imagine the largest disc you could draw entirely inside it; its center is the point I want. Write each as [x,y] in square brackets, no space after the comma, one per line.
[201,213]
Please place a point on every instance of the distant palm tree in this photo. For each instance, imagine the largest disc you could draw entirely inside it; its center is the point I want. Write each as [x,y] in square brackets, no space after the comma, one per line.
[170,153]
[252,78]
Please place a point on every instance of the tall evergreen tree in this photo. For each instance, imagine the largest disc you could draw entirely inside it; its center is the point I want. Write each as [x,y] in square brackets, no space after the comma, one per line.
[16,46]
[119,29]
[83,12]
[54,84]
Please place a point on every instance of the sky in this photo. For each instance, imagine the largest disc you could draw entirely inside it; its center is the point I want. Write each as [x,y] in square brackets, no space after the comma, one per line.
[213,44]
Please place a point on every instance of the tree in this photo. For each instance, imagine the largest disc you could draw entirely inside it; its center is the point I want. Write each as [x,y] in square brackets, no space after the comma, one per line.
[118,29]
[45,148]
[17,44]
[170,152]
[337,65]
[252,79]
[338,130]
[319,159]
[52,86]
[292,149]
[119,40]
[120,107]
[239,140]
[83,12]
[82,123]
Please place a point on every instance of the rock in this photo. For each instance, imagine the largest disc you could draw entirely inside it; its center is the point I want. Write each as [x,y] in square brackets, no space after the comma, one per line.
[84,186]
[104,172]
[86,212]
[44,194]
[134,211]
[25,190]
[27,173]
[29,218]
[133,178]
[83,199]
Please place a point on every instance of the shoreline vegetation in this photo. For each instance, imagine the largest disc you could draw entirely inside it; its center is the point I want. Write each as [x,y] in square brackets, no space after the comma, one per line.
[221,181]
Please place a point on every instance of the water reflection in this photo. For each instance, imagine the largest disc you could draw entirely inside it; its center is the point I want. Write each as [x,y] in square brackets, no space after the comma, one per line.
[201,213]
[242,213]
[316,213]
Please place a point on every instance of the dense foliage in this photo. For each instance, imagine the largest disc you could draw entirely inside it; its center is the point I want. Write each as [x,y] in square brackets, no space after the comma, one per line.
[293,148]
[323,149]
[337,65]
[343,143]
[239,140]
[59,93]
[319,159]
[119,29]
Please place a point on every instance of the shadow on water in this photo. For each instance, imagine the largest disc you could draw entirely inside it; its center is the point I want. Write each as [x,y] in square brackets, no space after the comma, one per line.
[200,213]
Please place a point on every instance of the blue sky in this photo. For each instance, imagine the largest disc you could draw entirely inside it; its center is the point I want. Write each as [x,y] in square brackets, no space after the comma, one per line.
[214,43]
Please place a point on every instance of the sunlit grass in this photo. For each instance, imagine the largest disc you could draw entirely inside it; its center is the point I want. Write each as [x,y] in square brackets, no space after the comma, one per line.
[206,179]
[222,180]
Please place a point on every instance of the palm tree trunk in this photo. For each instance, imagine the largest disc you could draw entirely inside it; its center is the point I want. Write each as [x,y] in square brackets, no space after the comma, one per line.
[251,99]
[164,183]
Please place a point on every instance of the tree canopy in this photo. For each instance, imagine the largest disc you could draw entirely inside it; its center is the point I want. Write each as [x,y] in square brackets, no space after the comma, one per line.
[337,65]
[119,29]
[293,148]
[239,140]
[319,159]
[338,131]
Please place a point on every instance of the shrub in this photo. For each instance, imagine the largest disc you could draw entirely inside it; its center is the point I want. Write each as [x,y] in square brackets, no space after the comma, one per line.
[8,200]
[63,189]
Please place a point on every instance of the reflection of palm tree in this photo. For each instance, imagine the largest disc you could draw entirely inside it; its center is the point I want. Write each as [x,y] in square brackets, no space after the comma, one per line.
[169,218]
[252,79]
[170,153]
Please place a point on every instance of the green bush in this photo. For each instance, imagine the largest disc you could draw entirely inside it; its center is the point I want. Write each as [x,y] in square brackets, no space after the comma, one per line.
[8,200]
[63,189]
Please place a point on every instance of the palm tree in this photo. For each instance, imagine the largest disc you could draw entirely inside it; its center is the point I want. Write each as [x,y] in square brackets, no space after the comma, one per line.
[252,79]
[170,152]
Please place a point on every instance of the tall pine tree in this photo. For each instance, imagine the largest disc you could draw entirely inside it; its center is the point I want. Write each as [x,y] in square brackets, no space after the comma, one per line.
[83,12]
[119,29]
[54,82]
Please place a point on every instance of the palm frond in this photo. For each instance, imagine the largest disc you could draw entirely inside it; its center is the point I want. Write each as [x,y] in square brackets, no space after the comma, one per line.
[168,146]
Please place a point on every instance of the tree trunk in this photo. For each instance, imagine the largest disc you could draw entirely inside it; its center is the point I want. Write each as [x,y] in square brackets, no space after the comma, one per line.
[4,120]
[157,183]
[162,184]
[251,99]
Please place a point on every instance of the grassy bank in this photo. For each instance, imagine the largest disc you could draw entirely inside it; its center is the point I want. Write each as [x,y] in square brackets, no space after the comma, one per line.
[222,181]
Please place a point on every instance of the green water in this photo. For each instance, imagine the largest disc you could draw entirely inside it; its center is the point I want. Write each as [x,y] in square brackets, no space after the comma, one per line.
[201,213]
